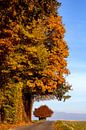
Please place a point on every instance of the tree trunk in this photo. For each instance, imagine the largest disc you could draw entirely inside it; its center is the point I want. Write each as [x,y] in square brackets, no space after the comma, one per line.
[42,118]
[28,103]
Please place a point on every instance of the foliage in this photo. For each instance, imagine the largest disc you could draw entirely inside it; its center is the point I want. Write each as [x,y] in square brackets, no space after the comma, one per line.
[33,55]
[10,100]
[42,112]
[7,126]
[70,125]
[60,125]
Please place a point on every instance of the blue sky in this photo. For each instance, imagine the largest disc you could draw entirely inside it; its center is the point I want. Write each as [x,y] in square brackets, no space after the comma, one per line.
[73,14]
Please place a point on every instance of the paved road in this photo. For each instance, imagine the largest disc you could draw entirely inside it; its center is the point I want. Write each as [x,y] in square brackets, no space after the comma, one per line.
[48,125]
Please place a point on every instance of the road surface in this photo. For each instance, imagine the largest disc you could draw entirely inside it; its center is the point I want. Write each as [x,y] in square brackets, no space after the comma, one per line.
[47,125]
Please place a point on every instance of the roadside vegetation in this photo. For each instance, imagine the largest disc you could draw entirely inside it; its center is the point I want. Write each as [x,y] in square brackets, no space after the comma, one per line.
[6,126]
[70,125]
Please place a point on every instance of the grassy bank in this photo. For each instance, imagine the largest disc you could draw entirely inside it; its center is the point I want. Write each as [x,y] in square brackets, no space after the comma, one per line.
[6,126]
[70,125]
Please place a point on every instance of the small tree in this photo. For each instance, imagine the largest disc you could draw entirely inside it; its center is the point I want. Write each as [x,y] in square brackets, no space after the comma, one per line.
[43,112]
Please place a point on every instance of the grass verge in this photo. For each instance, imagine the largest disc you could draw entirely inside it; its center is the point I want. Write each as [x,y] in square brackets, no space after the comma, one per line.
[70,125]
[6,126]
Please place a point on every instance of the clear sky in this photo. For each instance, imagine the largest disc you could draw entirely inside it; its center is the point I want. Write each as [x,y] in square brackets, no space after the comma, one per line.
[73,14]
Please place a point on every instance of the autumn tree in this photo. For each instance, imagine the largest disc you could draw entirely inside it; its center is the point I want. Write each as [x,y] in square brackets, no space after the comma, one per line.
[33,56]
[43,112]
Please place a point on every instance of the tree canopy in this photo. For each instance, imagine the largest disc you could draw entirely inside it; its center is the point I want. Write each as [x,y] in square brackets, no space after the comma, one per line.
[33,52]
[43,112]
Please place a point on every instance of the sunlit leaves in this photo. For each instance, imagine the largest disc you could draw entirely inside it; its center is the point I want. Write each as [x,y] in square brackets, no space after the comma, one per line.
[33,51]
[39,49]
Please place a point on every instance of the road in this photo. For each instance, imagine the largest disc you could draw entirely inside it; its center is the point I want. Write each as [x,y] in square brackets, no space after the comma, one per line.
[47,125]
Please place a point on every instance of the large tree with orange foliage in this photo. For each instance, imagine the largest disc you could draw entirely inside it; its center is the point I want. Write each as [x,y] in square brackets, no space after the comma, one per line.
[33,54]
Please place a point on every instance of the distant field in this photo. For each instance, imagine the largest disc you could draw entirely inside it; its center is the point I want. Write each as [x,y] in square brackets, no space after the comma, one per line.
[70,125]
